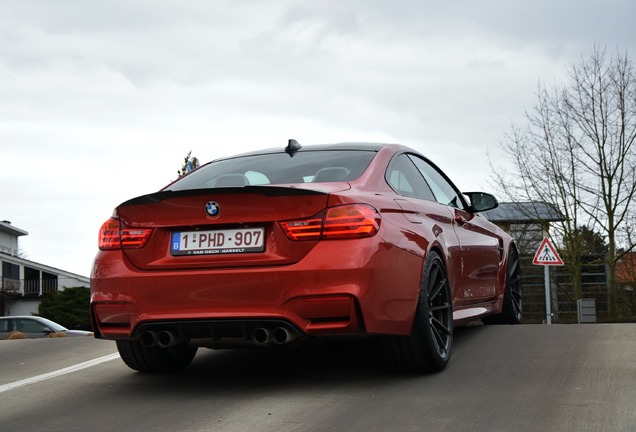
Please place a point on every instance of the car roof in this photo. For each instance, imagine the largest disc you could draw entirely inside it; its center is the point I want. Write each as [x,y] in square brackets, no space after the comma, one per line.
[36,318]
[364,146]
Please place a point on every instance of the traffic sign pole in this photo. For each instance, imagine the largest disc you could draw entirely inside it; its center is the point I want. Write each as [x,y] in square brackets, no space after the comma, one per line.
[548,301]
[547,256]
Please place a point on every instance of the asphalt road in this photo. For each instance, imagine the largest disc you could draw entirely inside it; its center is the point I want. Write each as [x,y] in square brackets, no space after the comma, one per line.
[521,378]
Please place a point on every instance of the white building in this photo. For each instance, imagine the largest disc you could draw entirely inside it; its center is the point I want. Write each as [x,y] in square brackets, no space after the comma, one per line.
[23,283]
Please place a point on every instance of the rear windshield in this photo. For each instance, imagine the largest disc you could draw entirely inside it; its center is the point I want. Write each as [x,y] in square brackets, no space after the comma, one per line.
[279,168]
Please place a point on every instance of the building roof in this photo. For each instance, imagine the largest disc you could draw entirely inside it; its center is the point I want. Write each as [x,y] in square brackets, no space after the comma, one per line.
[524,212]
[6,226]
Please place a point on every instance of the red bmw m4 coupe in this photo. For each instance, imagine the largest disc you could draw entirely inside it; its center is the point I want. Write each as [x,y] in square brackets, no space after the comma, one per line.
[275,247]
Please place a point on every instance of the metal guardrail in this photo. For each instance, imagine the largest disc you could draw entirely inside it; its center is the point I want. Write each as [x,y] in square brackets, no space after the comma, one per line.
[12,286]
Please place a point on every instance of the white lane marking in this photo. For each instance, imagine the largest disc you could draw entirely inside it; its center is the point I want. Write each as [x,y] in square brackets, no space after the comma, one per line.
[64,371]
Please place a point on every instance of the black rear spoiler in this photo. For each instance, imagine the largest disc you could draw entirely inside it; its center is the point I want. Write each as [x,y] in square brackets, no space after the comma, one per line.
[157,197]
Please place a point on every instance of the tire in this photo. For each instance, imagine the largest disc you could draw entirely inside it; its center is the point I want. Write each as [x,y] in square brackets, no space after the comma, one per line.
[428,348]
[512,310]
[155,359]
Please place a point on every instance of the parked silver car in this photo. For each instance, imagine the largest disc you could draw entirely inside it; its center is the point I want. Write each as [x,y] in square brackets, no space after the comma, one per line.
[35,327]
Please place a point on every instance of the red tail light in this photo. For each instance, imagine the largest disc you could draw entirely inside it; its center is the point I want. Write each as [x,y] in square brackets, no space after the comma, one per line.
[351,221]
[115,235]
[342,222]
[306,229]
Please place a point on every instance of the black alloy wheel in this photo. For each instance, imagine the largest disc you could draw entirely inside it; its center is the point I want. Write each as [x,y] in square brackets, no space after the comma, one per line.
[428,348]
[514,289]
[512,310]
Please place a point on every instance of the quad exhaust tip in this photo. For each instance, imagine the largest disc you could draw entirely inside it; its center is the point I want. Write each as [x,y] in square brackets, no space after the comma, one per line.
[148,339]
[261,336]
[166,339]
[281,335]
[277,336]
[162,339]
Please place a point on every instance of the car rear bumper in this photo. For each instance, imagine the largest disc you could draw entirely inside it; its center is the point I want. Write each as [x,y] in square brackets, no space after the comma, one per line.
[366,287]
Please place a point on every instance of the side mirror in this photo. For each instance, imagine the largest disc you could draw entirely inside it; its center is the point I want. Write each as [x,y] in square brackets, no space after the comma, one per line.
[481,201]
[47,330]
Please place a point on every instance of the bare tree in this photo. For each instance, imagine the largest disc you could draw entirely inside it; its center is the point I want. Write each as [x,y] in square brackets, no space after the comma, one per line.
[544,169]
[576,150]
[189,163]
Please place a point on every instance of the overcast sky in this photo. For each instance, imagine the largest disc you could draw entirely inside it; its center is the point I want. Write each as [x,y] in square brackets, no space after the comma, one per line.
[101,100]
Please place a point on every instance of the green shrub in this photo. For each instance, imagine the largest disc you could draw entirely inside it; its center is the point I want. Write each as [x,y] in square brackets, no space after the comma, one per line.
[68,307]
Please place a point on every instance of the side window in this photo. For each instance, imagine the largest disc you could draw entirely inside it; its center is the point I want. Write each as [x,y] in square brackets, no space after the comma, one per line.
[406,180]
[31,326]
[443,191]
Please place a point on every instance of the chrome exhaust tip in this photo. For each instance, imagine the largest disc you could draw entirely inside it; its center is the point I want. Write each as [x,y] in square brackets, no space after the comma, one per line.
[166,339]
[261,336]
[148,339]
[281,335]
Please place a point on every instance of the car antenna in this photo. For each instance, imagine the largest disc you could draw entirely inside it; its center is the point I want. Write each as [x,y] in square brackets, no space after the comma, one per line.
[292,147]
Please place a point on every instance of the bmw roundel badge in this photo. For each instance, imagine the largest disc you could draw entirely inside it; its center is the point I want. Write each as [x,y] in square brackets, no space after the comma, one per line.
[212,208]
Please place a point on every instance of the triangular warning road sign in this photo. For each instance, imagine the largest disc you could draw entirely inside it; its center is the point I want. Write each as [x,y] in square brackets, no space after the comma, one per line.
[547,254]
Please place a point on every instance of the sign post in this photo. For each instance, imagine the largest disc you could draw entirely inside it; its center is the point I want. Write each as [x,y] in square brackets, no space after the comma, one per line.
[547,256]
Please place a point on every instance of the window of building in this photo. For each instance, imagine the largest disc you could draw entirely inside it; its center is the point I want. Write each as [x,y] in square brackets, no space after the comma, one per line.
[49,282]
[10,276]
[31,281]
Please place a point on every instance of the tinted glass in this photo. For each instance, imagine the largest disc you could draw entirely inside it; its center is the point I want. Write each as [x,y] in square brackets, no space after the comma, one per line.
[443,190]
[27,325]
[52,325]
[406,180]
[279,168]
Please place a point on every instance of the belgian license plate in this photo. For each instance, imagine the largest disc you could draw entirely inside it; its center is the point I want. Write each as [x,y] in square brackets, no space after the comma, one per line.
[227,241]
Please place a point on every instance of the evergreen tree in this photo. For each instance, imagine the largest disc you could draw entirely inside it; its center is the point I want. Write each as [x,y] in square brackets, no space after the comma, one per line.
[69,307]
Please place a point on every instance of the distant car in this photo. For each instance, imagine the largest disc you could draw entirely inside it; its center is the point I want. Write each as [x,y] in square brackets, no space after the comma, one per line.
[35,327]
[277,246]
